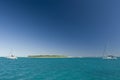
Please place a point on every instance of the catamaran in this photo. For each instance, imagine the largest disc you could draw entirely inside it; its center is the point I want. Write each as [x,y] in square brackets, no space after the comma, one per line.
[11,57]
[110,56]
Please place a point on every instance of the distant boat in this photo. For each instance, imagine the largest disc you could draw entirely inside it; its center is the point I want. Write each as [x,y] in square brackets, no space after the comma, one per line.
[11,57]
[110,56]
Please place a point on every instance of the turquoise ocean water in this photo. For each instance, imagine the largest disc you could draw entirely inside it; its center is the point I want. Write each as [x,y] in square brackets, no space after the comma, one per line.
[59,69]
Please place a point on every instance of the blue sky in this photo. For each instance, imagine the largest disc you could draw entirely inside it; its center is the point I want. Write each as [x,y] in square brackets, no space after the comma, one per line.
[69,27]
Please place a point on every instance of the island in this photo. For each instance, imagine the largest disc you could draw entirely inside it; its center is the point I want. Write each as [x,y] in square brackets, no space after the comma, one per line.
[47,56]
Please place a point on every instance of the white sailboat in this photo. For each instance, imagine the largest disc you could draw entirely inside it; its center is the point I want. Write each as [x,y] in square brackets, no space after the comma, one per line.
[106,56]
[11,56]
[109,57]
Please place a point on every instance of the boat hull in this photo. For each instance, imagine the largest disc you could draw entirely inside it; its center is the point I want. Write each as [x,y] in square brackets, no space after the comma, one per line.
[110,58]
[11,57]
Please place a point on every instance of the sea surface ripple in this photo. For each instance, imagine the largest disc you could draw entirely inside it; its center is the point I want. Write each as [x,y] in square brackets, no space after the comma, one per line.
[59,69]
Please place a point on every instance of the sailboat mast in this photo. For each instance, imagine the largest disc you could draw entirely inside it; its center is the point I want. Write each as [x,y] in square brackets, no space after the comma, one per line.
[104,51]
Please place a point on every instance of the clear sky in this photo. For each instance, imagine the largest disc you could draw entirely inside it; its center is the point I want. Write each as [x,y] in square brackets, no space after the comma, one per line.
[69,27]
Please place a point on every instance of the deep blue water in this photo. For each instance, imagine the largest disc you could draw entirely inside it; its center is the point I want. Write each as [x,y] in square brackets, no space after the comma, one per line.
[59,69]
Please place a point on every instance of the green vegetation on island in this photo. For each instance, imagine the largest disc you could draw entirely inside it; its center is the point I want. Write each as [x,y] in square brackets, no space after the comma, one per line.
[47,56]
